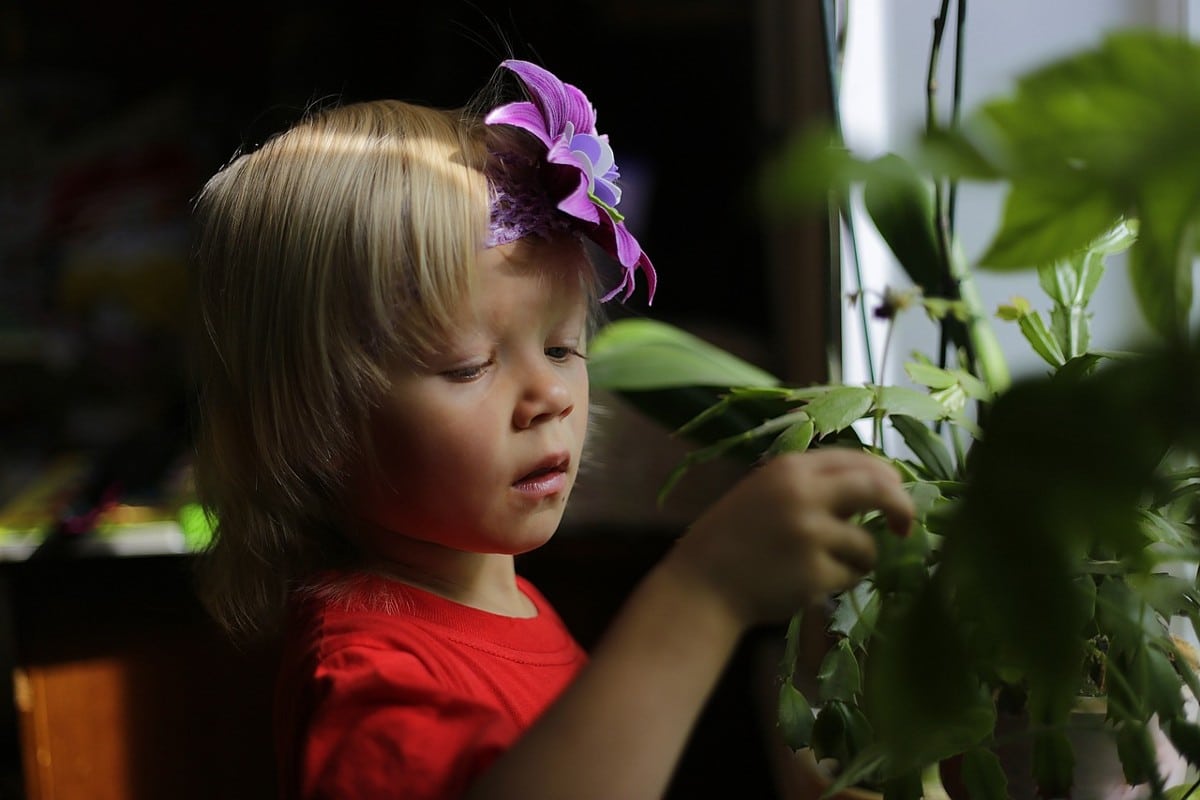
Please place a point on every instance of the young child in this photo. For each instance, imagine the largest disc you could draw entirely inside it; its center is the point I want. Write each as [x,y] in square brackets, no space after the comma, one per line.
[396,304]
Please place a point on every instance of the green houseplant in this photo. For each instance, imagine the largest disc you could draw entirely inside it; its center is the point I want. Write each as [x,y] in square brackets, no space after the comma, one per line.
[1054,514]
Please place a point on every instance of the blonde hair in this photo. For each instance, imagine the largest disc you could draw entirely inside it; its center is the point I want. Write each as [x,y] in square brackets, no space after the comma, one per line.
[341,244]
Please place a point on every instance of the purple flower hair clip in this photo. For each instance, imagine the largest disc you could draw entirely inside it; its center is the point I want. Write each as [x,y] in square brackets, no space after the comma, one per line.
[561,117]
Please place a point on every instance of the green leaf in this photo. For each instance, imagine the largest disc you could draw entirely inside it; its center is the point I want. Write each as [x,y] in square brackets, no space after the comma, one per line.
[901,563]
[1046,220]
[1168,595]
[1160,263]
[673,407]
[861,768]
[855,613]
[926,495]
[726,445]
[791,649]
[1096,134]
[906,786]
[829,732]
[983,776]
[1123,615]
[1186,738]
[839,677]
[839,407]
[1079,367]
[900,203]
[1070,283]
[938,308]
[1126,690]
[1158,528]
[811,166]
[972,386]
[909,402]
[926,445]
[795,438]
[1014,310]
[1165,688]
[1072,330]
[859,735]
[1119,239]
[1033,328]
[956,154]
[929,375]
[990,363]
[795,716]
[1059,280]
[1135,748]
[924,699]
[1084,589]
[641,354]
[1053,763]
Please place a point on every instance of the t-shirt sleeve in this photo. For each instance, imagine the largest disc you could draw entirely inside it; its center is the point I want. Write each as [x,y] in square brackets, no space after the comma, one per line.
[382,727]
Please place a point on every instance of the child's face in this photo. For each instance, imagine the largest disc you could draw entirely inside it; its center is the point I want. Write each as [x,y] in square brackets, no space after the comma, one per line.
[480,450]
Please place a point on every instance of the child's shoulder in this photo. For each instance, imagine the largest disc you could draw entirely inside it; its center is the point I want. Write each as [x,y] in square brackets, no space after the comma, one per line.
[363,610]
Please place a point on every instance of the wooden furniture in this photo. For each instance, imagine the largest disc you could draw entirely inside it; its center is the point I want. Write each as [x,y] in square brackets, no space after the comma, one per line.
[123,690]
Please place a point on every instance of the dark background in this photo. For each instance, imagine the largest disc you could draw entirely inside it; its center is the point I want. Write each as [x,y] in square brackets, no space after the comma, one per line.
[113,114]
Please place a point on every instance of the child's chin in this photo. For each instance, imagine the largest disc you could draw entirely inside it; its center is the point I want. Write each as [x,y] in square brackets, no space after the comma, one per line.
[532,540]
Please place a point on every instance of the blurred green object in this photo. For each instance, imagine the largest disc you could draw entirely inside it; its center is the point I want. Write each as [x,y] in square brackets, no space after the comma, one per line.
[197,526]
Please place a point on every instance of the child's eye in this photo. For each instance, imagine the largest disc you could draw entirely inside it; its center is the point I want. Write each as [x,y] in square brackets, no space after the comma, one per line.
[562,353]
[467,373]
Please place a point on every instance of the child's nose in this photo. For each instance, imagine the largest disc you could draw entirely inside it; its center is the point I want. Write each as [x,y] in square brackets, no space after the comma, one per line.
[545,395]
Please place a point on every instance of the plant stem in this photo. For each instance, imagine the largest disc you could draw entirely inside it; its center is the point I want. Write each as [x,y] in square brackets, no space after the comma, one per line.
[935,50]
[960,26]
[940,220]
[931,783]
[960,453]
[943,207]
[887,346]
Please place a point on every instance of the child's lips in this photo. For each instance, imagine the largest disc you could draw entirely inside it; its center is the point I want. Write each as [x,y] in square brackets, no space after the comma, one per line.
[547,478]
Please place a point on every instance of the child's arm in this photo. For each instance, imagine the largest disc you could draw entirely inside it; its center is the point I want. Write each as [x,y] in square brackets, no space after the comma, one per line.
[777,541]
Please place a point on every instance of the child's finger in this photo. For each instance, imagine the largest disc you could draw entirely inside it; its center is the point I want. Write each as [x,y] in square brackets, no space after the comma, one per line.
[838,575]
[856,491]
[851,545]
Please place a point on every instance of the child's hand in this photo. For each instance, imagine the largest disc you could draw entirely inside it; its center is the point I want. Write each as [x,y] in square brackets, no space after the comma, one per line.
[780,539]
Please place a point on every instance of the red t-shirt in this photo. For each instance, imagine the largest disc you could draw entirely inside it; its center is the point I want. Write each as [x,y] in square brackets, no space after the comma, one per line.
[388,691]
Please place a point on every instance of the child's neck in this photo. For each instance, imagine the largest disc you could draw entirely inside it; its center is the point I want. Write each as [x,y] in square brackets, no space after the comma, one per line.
[487,581]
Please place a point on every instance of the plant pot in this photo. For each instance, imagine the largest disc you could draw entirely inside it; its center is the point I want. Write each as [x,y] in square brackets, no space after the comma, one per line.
[1098,774]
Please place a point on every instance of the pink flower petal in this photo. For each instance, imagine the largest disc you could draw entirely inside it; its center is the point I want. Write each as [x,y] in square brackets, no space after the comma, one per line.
[522,115]
[624,288]
[628,249]
[579,204]
[560,102]
[615,238]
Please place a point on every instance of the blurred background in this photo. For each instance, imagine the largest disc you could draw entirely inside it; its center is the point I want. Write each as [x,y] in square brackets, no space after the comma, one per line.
[112,115]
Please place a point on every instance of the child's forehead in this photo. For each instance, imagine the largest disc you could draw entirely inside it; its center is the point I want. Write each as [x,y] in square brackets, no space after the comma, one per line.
[559,264]
[563,250]
[529,279]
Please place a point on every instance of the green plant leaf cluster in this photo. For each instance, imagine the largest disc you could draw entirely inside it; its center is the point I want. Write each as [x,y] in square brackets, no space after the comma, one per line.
[1083,142]
[1049,511]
